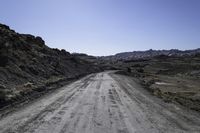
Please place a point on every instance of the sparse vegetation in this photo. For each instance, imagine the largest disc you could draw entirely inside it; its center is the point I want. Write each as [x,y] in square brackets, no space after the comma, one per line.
[172,78]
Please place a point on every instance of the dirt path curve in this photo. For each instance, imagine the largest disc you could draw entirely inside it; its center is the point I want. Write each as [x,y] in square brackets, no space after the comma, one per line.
[101,103]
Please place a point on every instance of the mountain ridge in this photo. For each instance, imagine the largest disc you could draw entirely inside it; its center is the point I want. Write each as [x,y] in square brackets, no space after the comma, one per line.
[150,53]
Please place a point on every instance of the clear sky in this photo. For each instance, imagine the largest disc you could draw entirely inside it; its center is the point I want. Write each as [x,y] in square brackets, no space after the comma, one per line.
[104,27]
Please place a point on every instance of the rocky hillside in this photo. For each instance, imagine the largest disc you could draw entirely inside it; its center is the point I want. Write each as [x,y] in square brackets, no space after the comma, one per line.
[150,53]
[28,66]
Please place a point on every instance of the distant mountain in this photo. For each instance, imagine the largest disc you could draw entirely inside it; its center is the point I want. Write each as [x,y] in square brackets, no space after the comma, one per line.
[149,54]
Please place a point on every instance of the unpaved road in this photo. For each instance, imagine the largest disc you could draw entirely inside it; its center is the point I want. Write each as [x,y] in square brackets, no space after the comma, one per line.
[101,103]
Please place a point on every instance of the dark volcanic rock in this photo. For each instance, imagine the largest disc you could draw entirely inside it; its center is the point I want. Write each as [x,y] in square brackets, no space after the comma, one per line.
[25,58]
[4,26]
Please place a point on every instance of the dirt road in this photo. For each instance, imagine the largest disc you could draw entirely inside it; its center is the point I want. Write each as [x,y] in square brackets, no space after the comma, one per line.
[101,103]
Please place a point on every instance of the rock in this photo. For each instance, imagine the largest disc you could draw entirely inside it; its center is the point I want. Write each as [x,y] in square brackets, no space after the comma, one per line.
[2,87]
[40,41]
[28,85]
[4,26]
[64,52]
[28,37]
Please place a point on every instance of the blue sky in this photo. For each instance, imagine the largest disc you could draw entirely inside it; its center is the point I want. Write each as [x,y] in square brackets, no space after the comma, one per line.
[104,27]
